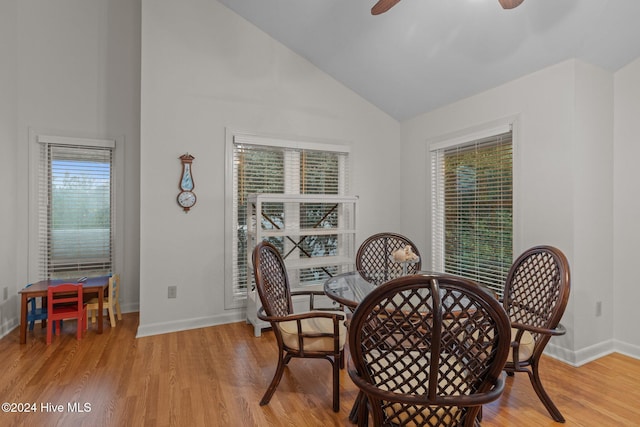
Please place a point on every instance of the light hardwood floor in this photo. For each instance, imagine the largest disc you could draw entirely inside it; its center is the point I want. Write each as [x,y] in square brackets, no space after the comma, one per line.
[216,376]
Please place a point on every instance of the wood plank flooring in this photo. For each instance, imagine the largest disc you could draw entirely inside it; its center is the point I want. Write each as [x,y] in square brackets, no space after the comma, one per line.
[216,376]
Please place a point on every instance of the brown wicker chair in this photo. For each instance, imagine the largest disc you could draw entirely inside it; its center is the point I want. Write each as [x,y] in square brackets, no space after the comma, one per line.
[428,350]
[317,334]
[374,260]
[535,297]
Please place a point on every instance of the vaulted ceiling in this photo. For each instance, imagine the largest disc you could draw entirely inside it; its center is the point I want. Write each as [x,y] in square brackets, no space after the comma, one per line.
[423,54]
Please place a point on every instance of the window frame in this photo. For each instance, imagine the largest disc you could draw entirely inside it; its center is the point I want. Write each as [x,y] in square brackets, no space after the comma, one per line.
[233,137]
[465,137]
[36,138]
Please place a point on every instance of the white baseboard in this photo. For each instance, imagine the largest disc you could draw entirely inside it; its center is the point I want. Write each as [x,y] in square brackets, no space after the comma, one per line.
[8,325]
[627,349]
[591,353]
[186,324]
[582,356]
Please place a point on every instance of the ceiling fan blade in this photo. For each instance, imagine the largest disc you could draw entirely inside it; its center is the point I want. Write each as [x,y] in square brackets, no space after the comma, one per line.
[510,4]
[382,6]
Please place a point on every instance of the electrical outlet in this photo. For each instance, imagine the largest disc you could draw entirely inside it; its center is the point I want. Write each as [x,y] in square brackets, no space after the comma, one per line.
[173,292]
[5,293]
[598,308]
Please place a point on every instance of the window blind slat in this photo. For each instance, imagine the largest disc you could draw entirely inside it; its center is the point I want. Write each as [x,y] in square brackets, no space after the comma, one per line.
[472,209]
[75,214]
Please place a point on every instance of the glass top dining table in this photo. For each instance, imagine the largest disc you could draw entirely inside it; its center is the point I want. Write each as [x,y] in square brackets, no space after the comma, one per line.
[349,289]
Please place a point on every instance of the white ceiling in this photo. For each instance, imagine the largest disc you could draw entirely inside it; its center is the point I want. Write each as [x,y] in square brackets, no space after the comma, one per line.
[423,54]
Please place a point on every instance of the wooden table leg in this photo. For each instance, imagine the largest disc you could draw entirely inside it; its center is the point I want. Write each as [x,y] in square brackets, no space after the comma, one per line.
[100,316]
[23,319]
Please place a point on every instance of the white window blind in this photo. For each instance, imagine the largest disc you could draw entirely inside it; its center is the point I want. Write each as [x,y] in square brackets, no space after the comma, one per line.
[75,214]
[472,209]
[275,166]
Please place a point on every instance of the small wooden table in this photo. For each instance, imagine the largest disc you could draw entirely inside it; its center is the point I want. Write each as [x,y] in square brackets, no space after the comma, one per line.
[92,285]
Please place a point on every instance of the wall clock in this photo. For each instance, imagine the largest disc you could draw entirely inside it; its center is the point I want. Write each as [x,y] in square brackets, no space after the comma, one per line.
[186,197]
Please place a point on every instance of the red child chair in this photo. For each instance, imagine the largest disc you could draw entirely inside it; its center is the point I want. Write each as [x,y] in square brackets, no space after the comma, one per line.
[65,302]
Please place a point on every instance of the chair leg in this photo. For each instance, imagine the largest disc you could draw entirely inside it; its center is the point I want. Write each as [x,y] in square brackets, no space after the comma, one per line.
[49,330]
[118,310]
[112,318]
[534,376]
[282,361]
[335,364]
[80,326]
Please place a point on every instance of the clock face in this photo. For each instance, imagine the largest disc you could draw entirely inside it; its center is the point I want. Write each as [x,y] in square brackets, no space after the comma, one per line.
[186,199]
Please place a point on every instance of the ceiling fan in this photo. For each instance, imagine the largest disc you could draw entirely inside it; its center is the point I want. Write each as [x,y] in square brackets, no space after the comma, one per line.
[383,5]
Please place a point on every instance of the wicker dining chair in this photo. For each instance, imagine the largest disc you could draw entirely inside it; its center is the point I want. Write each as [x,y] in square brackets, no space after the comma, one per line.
[313,334]
[374,257]
[427,350]
[535,296]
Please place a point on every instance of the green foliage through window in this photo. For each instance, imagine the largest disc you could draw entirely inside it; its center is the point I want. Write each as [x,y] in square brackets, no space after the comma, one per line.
[476,191]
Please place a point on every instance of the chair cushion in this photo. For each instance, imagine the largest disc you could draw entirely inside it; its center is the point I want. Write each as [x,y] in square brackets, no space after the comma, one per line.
[525,350]
[289,332]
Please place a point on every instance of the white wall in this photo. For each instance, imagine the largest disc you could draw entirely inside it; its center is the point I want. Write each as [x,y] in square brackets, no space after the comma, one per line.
[8,164]
[592,196]
[564,129]
[205,69]
[626,207]
[70,67]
